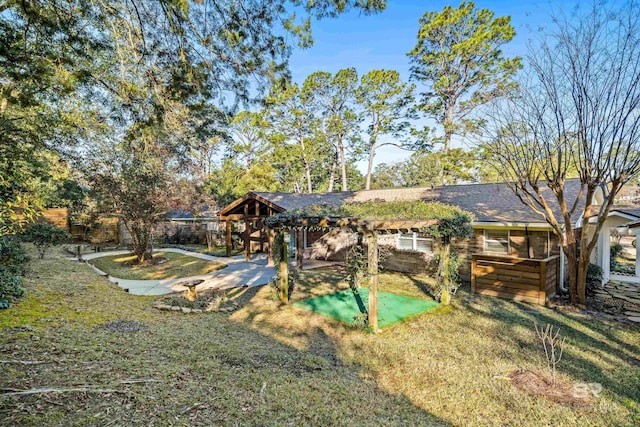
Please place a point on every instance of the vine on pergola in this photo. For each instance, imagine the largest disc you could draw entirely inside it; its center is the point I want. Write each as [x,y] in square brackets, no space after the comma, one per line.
[369,219]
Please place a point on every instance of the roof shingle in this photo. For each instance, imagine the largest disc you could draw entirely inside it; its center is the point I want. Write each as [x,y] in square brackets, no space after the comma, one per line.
[488,202]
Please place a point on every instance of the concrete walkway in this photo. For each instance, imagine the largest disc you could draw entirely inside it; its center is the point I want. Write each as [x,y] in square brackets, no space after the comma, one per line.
[237,273]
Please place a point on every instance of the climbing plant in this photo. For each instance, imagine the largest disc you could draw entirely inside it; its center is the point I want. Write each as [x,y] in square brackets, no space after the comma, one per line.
[457,225]
[396,210]
[357,262]
[277,247]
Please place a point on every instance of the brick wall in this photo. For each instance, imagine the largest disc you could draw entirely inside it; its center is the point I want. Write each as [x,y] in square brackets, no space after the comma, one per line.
[407,261]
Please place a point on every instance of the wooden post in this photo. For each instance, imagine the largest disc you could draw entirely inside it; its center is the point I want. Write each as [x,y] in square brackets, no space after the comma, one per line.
[228,225]
[372,249]
[257,213]
[542,292]
[271,234]
[474,266]
[299,249]
[247,234]
[284,269]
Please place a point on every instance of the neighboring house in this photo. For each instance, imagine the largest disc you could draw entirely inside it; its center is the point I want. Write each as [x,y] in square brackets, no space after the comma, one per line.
[513,253]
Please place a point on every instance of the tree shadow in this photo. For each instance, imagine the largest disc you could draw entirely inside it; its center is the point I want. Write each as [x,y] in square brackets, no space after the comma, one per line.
[585,337]
[313,343]
[421,286]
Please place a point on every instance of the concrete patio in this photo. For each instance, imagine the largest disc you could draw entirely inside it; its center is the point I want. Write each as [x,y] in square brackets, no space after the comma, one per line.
[237,273]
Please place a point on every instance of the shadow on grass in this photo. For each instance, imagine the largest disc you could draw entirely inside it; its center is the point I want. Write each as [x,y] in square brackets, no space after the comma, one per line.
[587,339]
[313,343]
[210,369]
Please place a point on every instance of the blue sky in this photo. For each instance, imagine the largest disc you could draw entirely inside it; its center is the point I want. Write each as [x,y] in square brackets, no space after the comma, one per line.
[382,40]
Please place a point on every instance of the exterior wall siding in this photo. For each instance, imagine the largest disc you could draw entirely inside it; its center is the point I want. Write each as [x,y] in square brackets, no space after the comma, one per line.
[333,246]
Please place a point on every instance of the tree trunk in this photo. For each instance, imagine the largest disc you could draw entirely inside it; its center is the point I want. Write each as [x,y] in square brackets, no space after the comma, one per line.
[448,134]
[140,240]
[343,164]
[573,278]
[307,166]
[332,175]
[372,153]
[443,273]
[307,171]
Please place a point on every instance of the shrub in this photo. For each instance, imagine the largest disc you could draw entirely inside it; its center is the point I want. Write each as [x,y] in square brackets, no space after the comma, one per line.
[10,287]
[13,258]
[44,235]
[594,277]
[615,250]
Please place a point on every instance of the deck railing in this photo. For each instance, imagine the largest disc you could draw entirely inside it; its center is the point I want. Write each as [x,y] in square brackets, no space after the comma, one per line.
[519,279]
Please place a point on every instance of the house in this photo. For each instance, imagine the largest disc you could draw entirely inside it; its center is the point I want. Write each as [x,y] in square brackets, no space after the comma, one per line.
[513,252]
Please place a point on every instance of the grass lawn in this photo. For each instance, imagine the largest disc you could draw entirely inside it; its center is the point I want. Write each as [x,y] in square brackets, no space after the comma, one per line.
[176,265]
[268,364]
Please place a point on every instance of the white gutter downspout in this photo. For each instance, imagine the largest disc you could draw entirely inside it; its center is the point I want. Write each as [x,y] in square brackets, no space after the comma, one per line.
[562,287]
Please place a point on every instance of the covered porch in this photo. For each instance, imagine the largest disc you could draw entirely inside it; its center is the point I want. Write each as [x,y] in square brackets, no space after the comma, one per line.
[249,214]
[622,228]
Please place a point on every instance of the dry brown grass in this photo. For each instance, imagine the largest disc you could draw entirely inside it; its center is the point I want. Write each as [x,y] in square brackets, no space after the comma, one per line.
[448,366]
[538,384]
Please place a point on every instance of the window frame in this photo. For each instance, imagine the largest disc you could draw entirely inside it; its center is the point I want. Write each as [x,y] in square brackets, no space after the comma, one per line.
[414,240]
[486,240]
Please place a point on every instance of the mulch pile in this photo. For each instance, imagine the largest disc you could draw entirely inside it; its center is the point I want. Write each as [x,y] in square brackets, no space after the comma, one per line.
[536,384]
[125,326]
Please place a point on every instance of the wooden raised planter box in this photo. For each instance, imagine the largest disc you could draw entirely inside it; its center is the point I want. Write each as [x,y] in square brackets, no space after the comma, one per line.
[518,279]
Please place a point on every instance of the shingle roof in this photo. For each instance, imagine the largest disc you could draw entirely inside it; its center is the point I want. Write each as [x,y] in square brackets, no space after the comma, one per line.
[488,202]
[291,201]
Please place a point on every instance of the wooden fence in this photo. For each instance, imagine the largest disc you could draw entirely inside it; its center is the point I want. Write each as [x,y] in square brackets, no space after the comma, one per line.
[519,279]
[57,216]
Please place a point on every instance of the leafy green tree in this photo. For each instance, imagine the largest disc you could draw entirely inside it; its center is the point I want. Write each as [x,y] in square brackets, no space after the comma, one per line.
[250,143]
[113,71]
[385,101]
[295,125]
[232,180]
[334,96]
[13,261]
[455,225]
[425,168]
[44,235]
[386,175]
[459,60]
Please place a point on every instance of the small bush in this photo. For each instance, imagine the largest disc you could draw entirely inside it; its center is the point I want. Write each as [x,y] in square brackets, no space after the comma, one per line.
[594,277]
[13,258]
[10,287]
[615,250]
[44,235]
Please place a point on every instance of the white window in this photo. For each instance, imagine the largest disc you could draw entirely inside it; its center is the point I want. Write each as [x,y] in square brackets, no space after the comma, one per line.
[414,242]
[496,241]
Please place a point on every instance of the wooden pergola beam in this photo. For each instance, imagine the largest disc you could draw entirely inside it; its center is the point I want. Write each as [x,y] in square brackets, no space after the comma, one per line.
[247,234]
[368,228]
[283,270]
[355,224]
[228,239]
[372,257]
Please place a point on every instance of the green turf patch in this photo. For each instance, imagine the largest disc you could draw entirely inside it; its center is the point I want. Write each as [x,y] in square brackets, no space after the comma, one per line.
[345,306]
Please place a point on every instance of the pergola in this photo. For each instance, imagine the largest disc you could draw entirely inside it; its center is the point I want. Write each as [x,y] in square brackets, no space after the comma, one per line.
[368,229]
